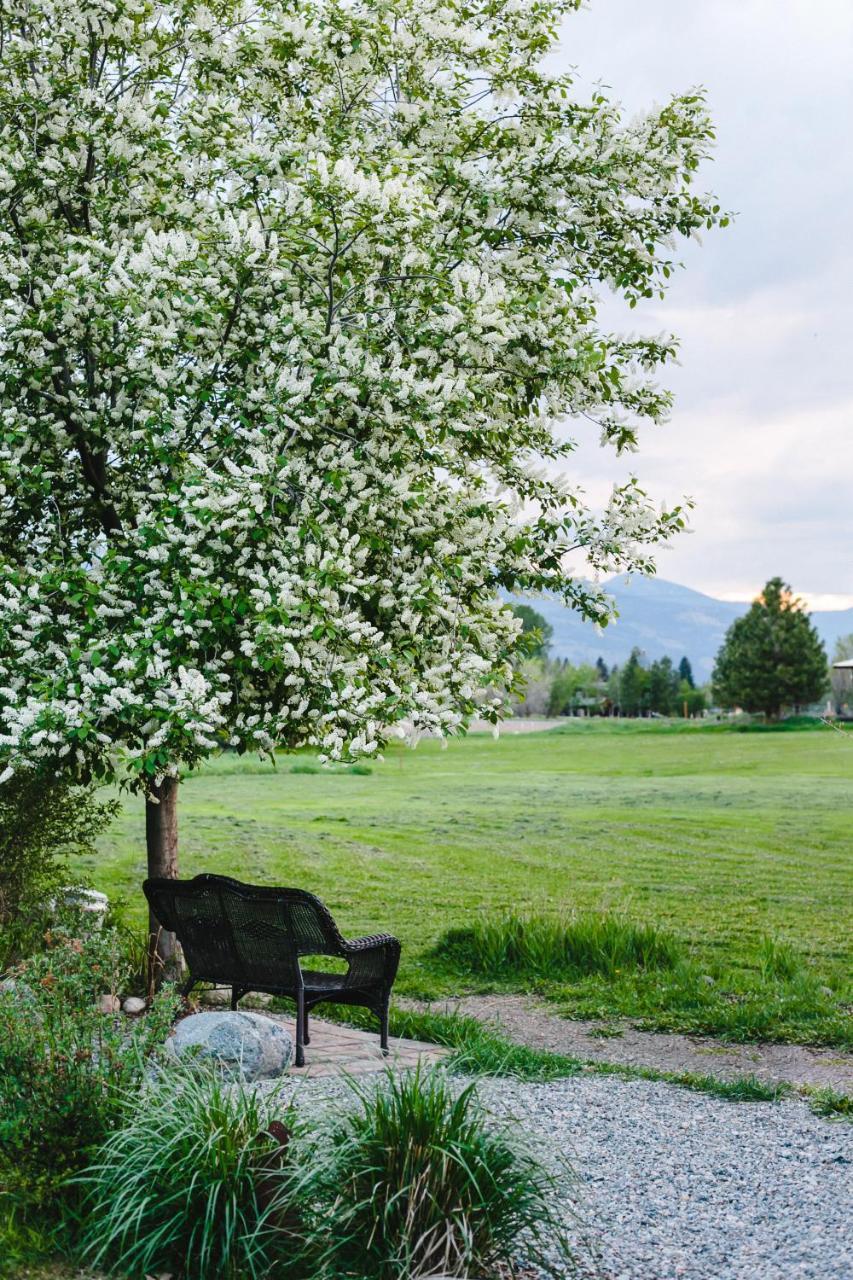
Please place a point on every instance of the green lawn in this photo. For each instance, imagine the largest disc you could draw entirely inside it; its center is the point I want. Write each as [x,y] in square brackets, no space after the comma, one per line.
[722,837]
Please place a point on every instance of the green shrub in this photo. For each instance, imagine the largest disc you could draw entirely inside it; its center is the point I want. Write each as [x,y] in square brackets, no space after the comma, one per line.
[65,1067]
[43,821]
[191,1185]
[132,941]
[415,1182]
[554,947]
[24,1243]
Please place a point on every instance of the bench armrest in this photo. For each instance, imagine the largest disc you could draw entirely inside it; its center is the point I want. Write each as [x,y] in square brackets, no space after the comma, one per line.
[372,960]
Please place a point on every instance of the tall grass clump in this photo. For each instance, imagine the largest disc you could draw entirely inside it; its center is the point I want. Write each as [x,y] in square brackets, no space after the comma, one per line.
[779,961]
[417,1183]
[193,1184]
[829,1103]
[603,943]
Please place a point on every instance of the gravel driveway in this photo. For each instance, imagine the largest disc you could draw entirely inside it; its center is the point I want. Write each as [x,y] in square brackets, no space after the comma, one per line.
[673,1185]
[681,1186]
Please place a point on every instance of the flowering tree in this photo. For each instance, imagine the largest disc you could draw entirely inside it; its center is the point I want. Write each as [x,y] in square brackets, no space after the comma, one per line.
[291,297]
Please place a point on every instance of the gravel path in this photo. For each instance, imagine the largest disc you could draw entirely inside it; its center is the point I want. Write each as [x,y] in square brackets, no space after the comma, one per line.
[680,1186]
[530,1022]
[672,1185]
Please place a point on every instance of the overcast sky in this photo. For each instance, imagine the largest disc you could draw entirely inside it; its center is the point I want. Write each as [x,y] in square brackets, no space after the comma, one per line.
[762,433]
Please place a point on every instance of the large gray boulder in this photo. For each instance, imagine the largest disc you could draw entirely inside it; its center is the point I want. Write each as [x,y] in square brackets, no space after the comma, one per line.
[19,991]
[247,1046]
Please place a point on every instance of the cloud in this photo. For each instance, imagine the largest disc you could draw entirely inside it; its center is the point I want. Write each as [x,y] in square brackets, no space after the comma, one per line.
[762,435]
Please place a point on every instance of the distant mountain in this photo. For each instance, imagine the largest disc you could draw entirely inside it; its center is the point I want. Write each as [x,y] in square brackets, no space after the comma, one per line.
[661,618]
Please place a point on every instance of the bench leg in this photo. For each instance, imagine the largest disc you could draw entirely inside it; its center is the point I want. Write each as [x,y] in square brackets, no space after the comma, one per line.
[237,993]
[187,987]
[301,1018]
[306,1038]
[383,1025]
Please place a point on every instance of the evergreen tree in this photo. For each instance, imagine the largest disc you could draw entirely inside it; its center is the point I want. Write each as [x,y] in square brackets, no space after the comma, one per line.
[685,672]
[601,668]
[614,689]
[534,626]
[633,686]
[663,685]
[772,657]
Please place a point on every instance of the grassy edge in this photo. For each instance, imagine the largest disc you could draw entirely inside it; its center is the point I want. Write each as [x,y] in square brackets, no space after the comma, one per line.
[477,1049]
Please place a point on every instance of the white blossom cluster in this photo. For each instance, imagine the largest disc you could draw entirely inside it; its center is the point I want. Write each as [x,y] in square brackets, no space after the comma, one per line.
[292,293]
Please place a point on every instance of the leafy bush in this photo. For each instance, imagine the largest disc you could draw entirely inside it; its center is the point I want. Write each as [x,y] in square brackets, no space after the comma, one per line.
[65,1067]
[192,1184]
[415,1182]
[43,820]
[551,947]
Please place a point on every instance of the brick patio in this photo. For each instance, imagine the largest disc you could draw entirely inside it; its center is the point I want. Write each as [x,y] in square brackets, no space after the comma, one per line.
[335,1049]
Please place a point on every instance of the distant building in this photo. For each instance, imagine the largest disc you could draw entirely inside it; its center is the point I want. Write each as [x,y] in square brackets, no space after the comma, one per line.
[841,679]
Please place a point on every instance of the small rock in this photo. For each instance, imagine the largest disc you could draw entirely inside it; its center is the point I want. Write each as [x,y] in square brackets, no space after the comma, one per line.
[247,1046]
[109,1004]
[828,992]
[708,980]
[133,1005]
[217,997]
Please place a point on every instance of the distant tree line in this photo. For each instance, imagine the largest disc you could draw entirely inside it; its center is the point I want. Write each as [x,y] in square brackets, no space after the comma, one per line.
[659,688]
[558,687]
[771,661]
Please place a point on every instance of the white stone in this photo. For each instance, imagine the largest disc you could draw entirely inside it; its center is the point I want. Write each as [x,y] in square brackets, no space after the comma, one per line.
[109,1004]
[92,905]
[134,1005]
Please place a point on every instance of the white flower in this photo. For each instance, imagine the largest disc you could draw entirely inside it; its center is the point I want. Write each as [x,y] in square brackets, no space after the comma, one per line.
[282,367]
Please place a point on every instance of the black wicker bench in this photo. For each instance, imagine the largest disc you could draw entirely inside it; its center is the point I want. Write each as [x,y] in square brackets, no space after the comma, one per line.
[251,938]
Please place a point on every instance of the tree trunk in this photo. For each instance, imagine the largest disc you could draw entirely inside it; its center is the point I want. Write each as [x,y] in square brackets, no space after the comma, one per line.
[161,838]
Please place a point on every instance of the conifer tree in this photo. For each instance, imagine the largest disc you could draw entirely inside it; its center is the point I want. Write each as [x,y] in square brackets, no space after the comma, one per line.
[772,657]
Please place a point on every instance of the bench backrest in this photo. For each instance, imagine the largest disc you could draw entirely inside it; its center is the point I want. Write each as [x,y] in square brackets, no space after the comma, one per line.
[243,934]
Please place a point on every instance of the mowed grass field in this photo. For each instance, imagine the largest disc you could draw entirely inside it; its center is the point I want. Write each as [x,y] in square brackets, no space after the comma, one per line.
[722,837]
